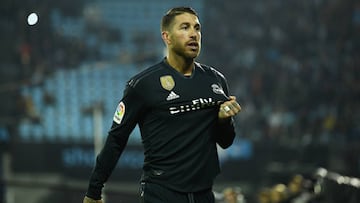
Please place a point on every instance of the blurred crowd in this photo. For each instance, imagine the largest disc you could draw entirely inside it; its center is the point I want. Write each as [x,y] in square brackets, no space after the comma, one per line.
[31,53]
[294,65]
[322,187]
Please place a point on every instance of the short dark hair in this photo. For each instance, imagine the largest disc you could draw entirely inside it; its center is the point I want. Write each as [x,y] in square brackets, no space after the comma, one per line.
[168,18]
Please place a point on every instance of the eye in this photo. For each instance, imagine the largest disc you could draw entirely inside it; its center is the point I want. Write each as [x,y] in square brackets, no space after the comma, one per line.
[185,27]
[197,27]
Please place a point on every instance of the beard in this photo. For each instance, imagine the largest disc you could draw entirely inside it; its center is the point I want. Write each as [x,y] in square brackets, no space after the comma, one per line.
[186,52]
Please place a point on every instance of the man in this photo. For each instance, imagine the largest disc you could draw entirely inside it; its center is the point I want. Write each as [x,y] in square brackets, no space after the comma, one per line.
[183,111]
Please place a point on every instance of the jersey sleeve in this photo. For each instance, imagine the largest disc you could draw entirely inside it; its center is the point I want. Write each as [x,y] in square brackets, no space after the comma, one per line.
[125,119]
[225,130]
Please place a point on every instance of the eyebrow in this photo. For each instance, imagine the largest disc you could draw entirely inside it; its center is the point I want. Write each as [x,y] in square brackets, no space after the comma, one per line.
[188,24]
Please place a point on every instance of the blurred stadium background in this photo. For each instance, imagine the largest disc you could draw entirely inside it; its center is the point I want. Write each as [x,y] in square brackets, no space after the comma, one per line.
[293,65]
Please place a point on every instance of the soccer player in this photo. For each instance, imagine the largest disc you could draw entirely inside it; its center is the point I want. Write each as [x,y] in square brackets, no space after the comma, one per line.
[183,111]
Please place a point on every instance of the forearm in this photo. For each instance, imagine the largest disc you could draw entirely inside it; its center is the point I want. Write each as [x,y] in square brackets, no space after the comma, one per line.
[225,132]
[225,127]
[105,164]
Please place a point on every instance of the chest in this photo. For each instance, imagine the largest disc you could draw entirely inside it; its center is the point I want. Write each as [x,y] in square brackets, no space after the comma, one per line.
[176,95]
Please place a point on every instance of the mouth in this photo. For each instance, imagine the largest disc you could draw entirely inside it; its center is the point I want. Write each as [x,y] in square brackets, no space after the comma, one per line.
[193,45]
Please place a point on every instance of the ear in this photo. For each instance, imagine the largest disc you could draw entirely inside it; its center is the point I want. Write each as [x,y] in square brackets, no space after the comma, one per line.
[166,37]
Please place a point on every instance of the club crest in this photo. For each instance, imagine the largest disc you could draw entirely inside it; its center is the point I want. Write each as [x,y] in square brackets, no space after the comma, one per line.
[167,82]
[217,89]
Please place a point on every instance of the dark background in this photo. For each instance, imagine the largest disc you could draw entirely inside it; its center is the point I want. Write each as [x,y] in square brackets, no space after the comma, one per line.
[293,65]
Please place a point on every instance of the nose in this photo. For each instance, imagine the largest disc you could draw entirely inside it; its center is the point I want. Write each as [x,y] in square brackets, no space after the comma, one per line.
[194,34]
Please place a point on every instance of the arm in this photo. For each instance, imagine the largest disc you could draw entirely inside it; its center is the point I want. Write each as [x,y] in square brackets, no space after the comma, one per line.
[125,119]
[225,126]
[106,162]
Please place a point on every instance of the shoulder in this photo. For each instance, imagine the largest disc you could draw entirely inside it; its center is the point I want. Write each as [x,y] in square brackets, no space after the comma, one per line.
[146,76]
[210,70]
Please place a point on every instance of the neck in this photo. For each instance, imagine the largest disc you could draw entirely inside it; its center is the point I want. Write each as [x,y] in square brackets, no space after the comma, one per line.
[181,64]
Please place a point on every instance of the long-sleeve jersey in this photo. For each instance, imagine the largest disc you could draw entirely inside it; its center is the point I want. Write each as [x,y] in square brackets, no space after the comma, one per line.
[179,125]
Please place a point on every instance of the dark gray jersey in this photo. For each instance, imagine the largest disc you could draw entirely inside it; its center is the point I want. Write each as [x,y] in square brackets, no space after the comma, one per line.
[178,120]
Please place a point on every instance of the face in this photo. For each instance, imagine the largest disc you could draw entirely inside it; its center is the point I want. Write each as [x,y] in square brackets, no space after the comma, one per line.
[184,36]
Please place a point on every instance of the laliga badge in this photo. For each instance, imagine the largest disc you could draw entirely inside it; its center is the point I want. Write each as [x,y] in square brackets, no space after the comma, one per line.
[119,113]
[167,82]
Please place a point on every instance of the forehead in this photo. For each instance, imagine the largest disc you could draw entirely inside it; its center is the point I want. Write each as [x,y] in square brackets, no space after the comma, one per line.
[186,18]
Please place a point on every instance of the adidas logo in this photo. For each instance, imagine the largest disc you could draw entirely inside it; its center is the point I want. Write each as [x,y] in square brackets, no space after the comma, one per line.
[172,96]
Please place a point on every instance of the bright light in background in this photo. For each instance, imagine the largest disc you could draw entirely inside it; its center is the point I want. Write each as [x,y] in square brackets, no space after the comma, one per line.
[32,19]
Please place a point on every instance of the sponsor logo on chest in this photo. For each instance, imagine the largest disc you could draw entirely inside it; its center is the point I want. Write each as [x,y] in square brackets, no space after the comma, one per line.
[195,104]
[168,83]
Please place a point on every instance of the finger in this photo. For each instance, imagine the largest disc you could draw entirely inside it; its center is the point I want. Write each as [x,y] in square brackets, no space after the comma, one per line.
[232,98]
[233,102]
[228,110]
[224,111]
[231,108]
[236,106]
